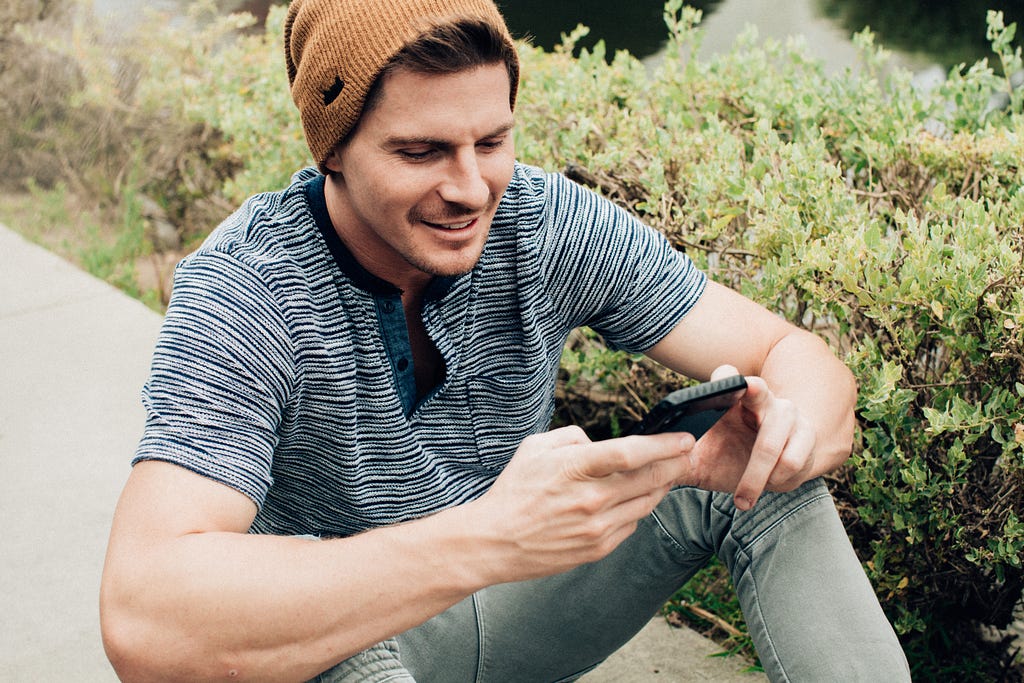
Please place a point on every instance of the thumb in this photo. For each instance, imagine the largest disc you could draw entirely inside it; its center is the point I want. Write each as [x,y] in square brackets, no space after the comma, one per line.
[723,371]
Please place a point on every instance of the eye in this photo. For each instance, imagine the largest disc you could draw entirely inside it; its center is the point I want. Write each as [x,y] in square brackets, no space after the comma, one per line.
[490,145]
[416,154]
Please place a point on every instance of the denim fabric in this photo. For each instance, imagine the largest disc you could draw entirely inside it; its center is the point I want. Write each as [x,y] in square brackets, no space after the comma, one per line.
[378,664]
[809,607]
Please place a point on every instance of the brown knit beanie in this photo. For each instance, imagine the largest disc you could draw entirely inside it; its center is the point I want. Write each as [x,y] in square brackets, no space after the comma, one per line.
[335,49]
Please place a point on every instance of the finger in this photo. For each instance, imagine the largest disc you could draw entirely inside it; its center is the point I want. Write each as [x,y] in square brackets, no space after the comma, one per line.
[756,401]
[636,508]
[772,440]
[796,460]
[723,371]
[558,438]
[657,476]
[604,458]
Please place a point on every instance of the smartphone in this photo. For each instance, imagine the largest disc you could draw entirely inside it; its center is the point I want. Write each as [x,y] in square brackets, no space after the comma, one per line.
[693,409]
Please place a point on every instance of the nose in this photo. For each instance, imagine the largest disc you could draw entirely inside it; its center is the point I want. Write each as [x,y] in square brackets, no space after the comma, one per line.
[463,182]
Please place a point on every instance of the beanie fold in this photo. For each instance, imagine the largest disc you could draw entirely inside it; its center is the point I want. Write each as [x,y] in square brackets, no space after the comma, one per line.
[335,50]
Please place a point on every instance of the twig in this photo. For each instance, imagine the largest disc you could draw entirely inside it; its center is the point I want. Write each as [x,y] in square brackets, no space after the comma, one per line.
[713,619]
[712,250]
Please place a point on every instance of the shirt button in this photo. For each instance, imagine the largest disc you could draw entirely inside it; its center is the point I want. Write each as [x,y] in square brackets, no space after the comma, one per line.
[403,363]
[389,307]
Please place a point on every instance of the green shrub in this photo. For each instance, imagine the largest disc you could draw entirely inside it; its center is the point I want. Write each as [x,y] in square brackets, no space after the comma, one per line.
[243,92]
[887,220]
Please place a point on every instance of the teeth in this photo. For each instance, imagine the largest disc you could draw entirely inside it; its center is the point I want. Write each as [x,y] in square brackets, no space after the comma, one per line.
[453,226]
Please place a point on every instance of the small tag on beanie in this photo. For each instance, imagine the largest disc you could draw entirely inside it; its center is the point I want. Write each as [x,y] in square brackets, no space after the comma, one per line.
[332,93]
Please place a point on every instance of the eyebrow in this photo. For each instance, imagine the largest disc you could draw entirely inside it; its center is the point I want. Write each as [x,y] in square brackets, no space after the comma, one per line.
[402,141]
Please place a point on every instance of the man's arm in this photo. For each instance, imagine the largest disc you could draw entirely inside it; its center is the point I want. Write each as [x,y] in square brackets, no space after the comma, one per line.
[796,419]
[188,595]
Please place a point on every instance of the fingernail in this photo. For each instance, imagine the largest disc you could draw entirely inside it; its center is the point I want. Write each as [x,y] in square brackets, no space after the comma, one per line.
[741,504]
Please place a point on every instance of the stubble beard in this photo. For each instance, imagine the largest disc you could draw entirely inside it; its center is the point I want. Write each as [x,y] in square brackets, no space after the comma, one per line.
[440,267]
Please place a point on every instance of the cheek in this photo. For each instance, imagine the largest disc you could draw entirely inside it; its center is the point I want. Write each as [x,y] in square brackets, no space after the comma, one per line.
[388,191]
[498,172]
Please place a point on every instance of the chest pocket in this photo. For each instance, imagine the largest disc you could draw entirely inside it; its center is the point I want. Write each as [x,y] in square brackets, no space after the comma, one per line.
[506,408]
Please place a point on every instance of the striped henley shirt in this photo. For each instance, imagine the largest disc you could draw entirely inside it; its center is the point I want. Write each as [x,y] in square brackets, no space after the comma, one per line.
[282,367]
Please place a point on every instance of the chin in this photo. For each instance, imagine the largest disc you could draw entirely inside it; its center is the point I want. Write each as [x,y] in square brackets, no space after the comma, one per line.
[454,265]
[451,269]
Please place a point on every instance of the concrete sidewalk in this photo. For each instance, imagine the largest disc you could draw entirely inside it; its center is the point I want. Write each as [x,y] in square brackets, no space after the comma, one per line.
[75,353]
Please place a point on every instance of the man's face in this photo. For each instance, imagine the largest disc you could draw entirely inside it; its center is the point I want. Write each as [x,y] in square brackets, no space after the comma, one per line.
[416,185]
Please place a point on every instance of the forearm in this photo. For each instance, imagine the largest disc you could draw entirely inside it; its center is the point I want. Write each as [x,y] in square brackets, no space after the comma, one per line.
[801,368]
[187,595]
[248,607]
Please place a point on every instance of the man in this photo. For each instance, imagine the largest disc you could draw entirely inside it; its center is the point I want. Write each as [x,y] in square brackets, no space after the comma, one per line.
[345,473]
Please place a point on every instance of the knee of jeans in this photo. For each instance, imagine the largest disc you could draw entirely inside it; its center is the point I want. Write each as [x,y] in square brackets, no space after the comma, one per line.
[772,509]
[684,516]
[702,521]
[375,664]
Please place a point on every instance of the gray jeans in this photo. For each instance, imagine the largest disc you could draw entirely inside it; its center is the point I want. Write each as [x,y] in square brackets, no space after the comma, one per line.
[809,607]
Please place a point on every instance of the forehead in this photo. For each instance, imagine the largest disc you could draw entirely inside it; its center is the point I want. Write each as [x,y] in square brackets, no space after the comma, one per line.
[415,104]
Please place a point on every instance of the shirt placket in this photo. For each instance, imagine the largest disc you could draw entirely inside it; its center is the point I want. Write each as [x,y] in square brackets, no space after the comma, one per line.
[395,333]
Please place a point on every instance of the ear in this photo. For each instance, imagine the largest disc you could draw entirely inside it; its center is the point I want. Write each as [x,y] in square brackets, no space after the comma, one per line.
[333,161]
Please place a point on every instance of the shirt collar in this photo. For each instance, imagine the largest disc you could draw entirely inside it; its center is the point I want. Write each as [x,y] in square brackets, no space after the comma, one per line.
[348,264]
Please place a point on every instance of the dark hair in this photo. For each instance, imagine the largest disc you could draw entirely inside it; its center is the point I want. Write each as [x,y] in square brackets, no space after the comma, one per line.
[450,48]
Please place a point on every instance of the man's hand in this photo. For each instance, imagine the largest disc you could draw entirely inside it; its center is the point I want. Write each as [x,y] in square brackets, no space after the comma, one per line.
[774,439]
[565,500]
[761,443]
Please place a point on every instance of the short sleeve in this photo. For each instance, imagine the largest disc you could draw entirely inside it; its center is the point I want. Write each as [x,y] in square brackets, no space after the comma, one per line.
[221,375]
[609,271]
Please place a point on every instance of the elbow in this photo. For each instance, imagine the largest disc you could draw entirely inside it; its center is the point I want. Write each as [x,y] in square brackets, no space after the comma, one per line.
[124,645]
[141,650]
[122,652]
[842,437]
[129,644]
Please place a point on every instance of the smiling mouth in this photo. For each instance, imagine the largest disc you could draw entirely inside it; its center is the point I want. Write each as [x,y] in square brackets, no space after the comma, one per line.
[451,226]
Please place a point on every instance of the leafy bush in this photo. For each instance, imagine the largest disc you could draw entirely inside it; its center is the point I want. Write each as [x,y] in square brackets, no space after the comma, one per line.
[36,83]
[93,130]
[885,219]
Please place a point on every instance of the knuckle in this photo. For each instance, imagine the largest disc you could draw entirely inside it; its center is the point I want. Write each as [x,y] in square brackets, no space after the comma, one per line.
[575,431]
[530,442]
[782,479]
[788,465]
[594,531]
[785,405]
[590,502]
[573,470]
[621,460]
[574,435]
[773,446]
[660,474]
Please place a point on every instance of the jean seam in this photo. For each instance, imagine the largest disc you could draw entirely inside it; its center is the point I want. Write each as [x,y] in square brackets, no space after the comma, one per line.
[757,539]
[748,557]
[666,532]
[478,613]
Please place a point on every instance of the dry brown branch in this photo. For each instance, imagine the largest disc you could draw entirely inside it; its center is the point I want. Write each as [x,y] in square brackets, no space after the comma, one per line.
[707,616]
